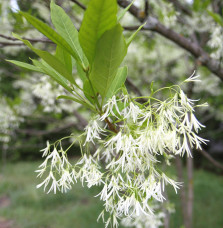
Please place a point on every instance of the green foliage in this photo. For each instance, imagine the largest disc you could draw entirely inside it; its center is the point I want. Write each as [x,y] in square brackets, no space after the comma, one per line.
[200,5]
[52,73]
[26,66]
[99,17]
[216,17]
[61,210]
[51,34]
[110,52]
[118,81]
[103,44]
[65,58]
[52,61]
[130,39]
[123,12]
[66,29]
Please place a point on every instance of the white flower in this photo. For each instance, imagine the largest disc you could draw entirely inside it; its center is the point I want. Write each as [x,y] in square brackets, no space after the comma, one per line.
[46,150]
[193,78]
[65,181]
[130,178]
[110,107]
[54,185]
[133,112]
[93,131]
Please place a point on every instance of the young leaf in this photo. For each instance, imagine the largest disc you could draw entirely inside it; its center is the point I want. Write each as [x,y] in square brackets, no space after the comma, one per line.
[130,39]
[123,12]
[110,52]
[51,34]
[88,91]
[26,66]
[118,81]
[71,98]
[81,73]
[65,58]
[88,105]
[216,17]
[66,29]
[50,60]
[99,17]
[53,74]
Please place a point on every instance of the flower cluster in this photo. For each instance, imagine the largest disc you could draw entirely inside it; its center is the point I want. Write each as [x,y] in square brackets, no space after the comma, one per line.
[127,155]
[215,42]
[61,173]
[9,120]
[149,221]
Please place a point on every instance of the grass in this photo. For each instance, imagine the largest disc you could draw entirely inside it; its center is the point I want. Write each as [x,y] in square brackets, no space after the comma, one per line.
[31,208]
[208,202]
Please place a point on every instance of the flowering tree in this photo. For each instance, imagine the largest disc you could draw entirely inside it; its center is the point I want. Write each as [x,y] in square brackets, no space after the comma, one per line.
[126,136]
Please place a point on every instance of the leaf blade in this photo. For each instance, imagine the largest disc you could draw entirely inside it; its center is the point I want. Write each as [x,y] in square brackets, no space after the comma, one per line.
[50,33]
[50,60]
[25,65]
[67,30]
[99,17]
[130,39]
[118,81]
[111,50]
[123,12]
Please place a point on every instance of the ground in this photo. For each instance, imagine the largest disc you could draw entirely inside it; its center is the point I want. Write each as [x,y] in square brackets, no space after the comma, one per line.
[24,206]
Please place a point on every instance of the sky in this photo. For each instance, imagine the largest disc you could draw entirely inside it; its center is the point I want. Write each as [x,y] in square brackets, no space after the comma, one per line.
[14,5]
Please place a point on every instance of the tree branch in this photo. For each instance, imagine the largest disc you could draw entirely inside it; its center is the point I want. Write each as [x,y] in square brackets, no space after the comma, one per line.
[179,6]
[5,44]
[43,40]
[79,4]
[51,131]
[211,159]
[154,25]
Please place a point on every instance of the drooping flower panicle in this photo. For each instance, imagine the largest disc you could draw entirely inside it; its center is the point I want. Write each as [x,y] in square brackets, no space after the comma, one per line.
[126,162]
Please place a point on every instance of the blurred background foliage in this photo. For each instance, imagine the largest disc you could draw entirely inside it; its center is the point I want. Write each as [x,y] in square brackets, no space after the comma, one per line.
[30,114]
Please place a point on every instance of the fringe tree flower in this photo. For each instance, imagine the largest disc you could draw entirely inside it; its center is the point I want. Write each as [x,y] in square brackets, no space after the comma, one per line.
[125,161]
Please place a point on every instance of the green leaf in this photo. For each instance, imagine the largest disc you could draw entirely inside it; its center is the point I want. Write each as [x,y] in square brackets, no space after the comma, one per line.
[110,52]
[200,5]
[50,60]
[123,12]
[88,91]
[65,58]
[99,17]
[66,29]
[25,65]
[118,81]
[51,34]
[81,73]
[53,74]
[71,98]
[76,100]
[130,39]
[216,17]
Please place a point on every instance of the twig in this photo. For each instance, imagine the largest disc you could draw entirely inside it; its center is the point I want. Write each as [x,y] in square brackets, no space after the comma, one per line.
[211,159]
[51,131]
[29,39]
[133,87]
[183,8]
[79,4]
[81,120]
[4,44]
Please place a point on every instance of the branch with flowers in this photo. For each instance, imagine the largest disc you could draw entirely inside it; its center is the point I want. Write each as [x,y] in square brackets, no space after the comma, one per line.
[125,140]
